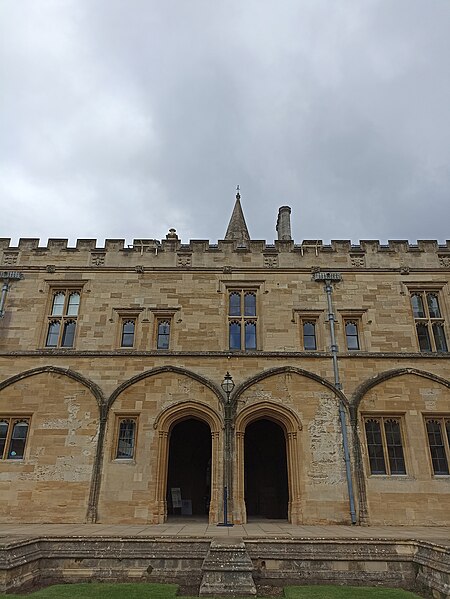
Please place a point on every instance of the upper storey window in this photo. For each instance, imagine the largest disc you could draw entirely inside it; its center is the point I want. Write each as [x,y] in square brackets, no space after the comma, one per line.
[429,321]
[242,319]
[62,320]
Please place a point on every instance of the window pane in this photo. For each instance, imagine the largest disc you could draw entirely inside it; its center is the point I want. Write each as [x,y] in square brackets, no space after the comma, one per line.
[235,304]
[3,434]
[375,447]
[351,333]
[249,304]
[250,335]
[68,334]
[74,304]
[433,305]
[439,337]
[235,335]
[125,442]
[128,333]
[417,306]
[309,335]
[423,337]
[163,335]
[58,304]
[53,334]
[17,443]
[394,447]
[437,449]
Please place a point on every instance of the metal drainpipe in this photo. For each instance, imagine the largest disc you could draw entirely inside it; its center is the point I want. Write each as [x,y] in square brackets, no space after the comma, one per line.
[5,288]
[342,416]
[7,276]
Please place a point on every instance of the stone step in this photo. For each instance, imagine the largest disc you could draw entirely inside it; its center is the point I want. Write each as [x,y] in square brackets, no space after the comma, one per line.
[227,569]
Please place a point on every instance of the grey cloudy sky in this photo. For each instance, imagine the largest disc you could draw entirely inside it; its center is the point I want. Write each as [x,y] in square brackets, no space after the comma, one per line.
[122,118]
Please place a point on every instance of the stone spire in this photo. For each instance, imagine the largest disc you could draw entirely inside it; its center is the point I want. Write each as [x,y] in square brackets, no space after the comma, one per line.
[237,229]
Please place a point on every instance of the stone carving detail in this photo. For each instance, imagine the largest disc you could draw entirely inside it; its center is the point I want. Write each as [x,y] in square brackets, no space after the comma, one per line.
[51,268]
[444,261]
[139,269]
[404,270]
[227,269]
[98,259]
[358,261]
[184,260]
[315,269]
[270,261]
[10,258]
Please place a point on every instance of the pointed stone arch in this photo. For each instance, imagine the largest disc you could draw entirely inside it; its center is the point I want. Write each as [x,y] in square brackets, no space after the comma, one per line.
[364,387]
[291,424]
[357,397]
[72,374]
[164,423]
[160,370]
[294,370]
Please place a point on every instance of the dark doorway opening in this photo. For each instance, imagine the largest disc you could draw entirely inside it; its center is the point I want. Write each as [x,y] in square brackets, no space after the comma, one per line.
[189,469]
[265,468]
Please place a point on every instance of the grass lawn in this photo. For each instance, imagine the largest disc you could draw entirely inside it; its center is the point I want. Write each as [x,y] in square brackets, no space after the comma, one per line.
[168,591]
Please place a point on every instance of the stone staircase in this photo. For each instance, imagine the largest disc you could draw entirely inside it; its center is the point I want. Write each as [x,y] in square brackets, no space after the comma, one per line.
[227,569]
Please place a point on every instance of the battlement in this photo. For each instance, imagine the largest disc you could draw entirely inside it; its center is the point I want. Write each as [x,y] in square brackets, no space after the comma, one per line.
[203,245]
[226,254]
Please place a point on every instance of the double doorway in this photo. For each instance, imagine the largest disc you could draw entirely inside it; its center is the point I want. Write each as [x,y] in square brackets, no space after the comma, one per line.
[190,489]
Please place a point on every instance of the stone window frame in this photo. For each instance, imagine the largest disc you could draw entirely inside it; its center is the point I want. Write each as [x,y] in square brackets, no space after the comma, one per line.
[356,316]
[317,318]
[444,422]
[429,322]
[119,418]
[259,288]
[68,288]
[383,418]
[163,315]
[123,315]
[243,319]
[12,420]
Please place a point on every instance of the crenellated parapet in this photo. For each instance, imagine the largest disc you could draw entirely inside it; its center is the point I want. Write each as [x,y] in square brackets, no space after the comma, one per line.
[199,253]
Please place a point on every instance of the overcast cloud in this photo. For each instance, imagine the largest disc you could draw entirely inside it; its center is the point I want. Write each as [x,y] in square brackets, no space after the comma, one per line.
[122,118]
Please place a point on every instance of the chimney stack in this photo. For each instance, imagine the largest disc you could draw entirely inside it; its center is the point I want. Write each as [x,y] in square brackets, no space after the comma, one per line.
[284,224]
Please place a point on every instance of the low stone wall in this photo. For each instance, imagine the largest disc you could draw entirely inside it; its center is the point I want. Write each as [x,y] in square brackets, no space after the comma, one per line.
[419,565]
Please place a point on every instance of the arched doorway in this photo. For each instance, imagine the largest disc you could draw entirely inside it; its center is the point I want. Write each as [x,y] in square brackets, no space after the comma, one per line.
[189,469]
[265,470]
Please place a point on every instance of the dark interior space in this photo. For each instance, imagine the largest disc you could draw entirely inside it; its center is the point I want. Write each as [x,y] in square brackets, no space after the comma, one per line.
[189,469]
[266,484]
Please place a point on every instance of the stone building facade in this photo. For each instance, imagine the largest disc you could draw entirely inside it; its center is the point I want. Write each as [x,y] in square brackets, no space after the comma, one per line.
[112,361]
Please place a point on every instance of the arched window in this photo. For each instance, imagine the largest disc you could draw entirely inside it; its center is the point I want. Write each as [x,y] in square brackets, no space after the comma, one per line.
[62,320]
[430,325]
[128,329]
[163,334]
[242,319]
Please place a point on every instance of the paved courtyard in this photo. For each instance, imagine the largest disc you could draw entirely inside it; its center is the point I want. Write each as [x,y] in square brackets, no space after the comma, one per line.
[274,529]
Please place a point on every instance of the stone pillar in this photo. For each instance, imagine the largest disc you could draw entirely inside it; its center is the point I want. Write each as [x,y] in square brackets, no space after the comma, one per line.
[284,224]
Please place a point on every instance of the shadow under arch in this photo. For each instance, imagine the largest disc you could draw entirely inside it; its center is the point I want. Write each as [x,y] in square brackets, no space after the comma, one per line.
[164,423]
[161,370]
[291,424]
[355,402]
[289,369]
[72,374]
